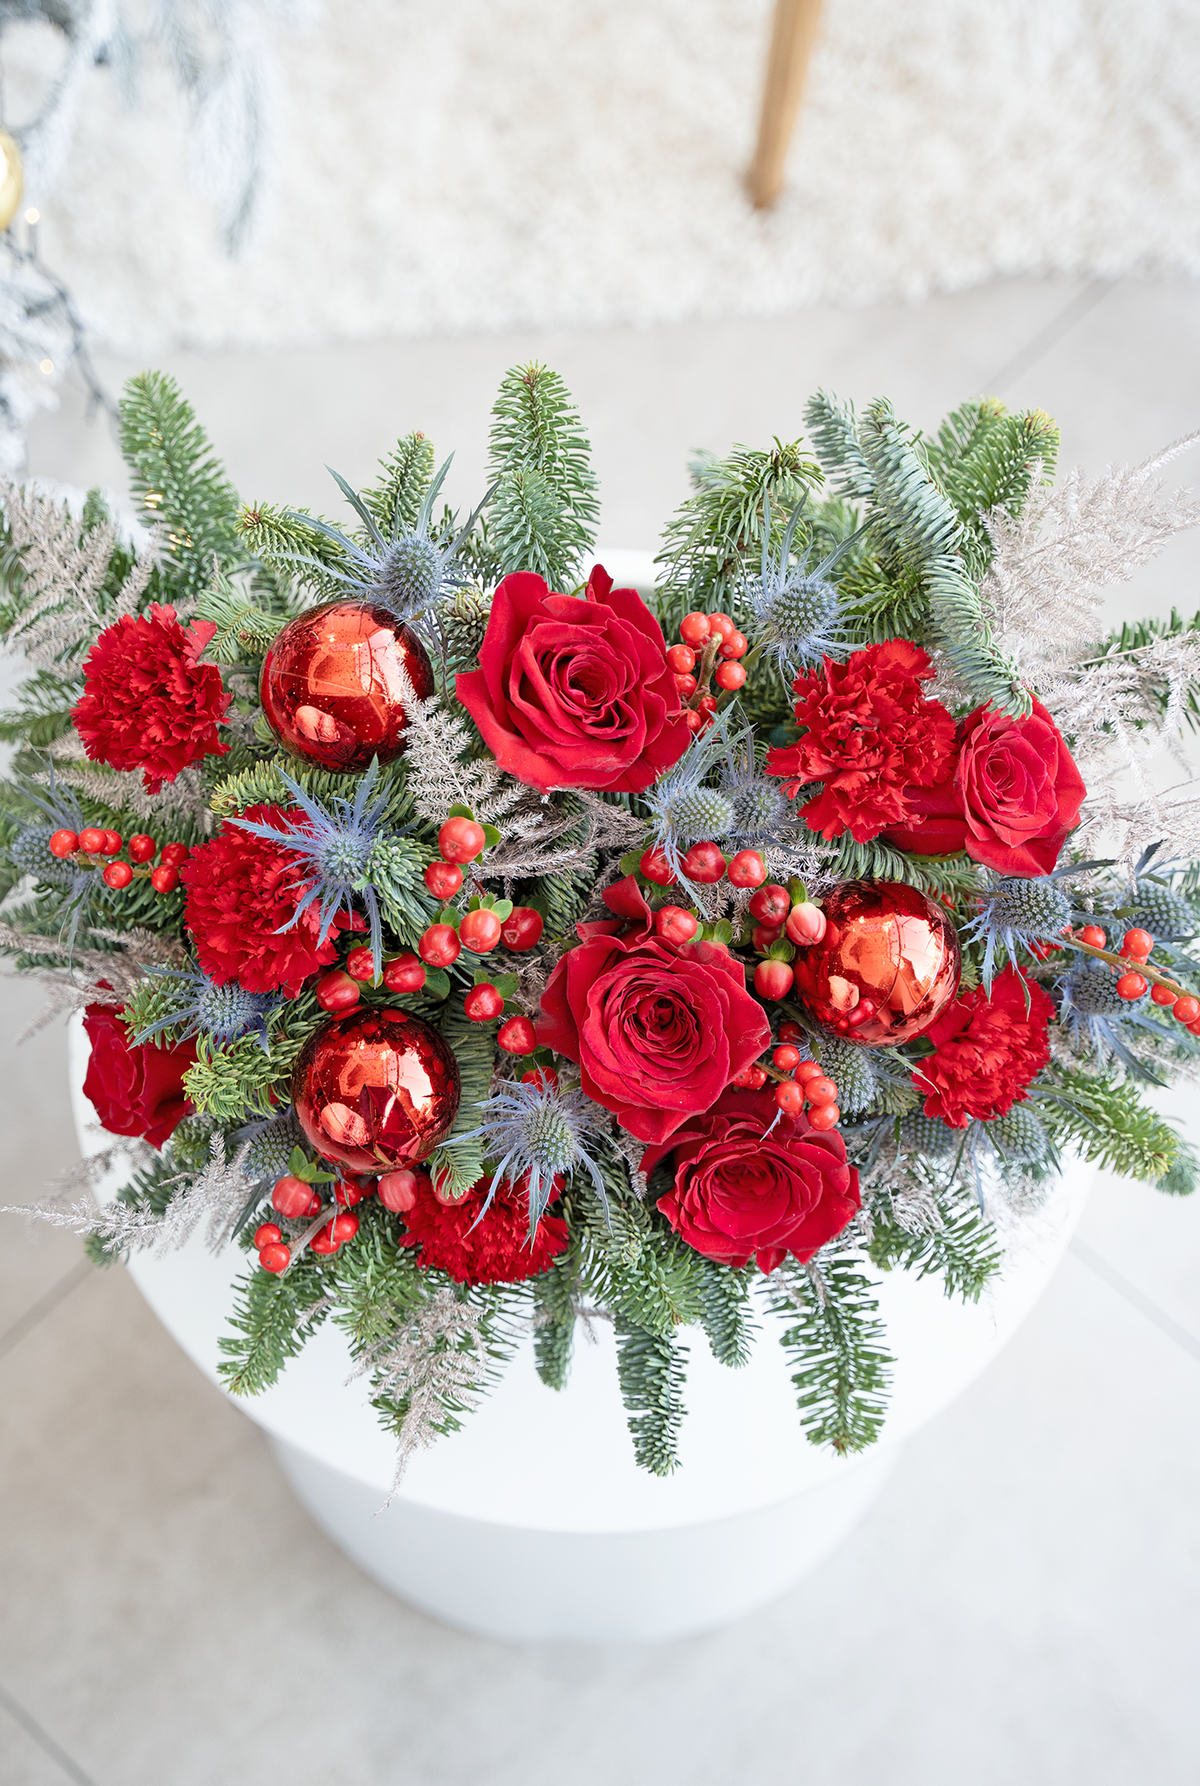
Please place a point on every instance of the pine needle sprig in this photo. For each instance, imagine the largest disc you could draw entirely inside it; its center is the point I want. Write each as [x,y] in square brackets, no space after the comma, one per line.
[651,1370]
[543,509]
[837,1342]
[182,486]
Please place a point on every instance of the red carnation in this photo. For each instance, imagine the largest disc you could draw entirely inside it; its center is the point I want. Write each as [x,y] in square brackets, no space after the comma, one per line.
[497,1251]
[989,1050]
[870,734]
[148,702]
[241,891]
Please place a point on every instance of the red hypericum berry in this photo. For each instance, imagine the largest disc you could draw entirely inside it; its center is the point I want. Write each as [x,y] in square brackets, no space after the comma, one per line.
[91,841]
[1092,935]
[404,973]
[1138,945]
[1132,986]
[142,848]
[174,855]
[517,1036]
[360,964]
[266,1233]
[656,868]
[675,925]
[1186,1009]
[825,1116]
[773,979]
[440,945]
[336,991]
[1163,995]
[443,879]
[708,703]
[786,1056]
[789,1097]
[771,904]
[735,645]
[1193,1029]
[681,659]
[722,625]
[545,1077]
[275,1257]
[790,1032]
[460,840]
[118,875]
[483,1003]
[820,1090]
[164,880]
[63,843]
[693,720]
[479,930]
[522,929]
[806,924]
[693,628]
[808,1069]
[293,1198]
[398,1190]
[685,685]
[764,935]
[746,869]
[729,676]
[346,1193]
[704,864]
[112,843]
[323,1241]
[751,1078]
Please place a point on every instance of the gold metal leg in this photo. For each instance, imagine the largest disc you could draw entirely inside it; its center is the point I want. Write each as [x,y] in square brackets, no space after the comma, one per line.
[792,37]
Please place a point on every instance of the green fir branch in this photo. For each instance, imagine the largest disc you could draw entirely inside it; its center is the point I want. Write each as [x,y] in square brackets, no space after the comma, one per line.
[458,1164]
[726,1316]
[834,429]
[273,1317]
[1107,1121]
[543,511]
[404,476]
[554,1320]
[174,471]
[836,1340]
[964,1252]
[651,1368]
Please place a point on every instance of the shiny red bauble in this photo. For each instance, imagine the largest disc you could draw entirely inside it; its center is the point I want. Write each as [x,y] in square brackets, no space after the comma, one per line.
[404,973]
[886,967]
[479,930]
[522,929]
[376,1089]
[331,688]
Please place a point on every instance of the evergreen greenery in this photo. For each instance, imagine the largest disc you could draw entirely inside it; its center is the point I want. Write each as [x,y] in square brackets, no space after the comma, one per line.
[836,1341]
[181,484]
[543,510]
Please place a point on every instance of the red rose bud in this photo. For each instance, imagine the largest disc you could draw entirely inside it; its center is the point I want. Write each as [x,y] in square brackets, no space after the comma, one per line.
[164,880]
[112,844]
[174,855]
[517,1036]
[786,1057]
[360,964]
[675,925]
[275,1257]
[118,875]
[63,843]
[440,945]
[336,991]
[681,659]
[693,628]
[483,1003]
[746,869]
[825,1116]
[91,841]
[656,868]
[704,864]
[443,879]
[479,930]
[773,979]
[266,1233]
[789,1098]
[729,675]
[805,924]
[1138,945]
[771,904]
[294,1198]
[1186,1009]
[766,934]
[142,848]
[750,1078]
[522,929]
[398,1190]
[460,840]
[404,973]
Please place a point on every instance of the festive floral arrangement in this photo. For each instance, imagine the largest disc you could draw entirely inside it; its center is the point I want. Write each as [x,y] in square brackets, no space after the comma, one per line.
[480,945]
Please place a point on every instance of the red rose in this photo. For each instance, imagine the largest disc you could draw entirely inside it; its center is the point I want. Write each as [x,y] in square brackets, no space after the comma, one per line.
[659,1029]
[135,1091]
[494,1250]
[148,703]
[870,735]
[934,824]
[741,1192]
[241,892]
[1019,790]
[575,691]
[988,1050]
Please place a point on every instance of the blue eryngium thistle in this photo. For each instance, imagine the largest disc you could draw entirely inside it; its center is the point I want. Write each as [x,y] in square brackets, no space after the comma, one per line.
[1018,912]
[30,848]
[758,809]
[682,809]
[1099,1019]
[796,607]
[336,850]
[406,573]
[541,1130]
[223,1013]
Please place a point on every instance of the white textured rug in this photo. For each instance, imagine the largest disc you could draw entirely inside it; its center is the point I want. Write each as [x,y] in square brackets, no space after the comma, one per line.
[475,164]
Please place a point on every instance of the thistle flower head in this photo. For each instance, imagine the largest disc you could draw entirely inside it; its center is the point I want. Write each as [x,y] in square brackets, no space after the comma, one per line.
[796,606]
[1099,1020]
[541,1130]
[929,1135]
[1017,912]
[853,1070]
[1163,912]
[1020,1136]
[683,808]
[199,1005]
[271,1143]
[759,810]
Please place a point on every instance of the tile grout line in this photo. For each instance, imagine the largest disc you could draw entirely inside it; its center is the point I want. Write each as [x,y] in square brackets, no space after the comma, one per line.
[1045,339]
[32,1728]
[44,1305]
[1132,1295]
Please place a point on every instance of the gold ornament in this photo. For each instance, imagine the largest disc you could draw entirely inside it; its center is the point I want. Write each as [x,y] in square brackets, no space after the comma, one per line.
[12,179]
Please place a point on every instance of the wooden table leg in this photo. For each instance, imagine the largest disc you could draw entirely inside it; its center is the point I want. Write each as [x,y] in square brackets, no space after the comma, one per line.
[792,38]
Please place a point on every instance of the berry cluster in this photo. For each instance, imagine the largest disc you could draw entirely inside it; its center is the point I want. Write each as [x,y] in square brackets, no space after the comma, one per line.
[330,1225]
[1137,946]
[799,1081]
[709,653]
[781,919]
[706,864]
[91,846]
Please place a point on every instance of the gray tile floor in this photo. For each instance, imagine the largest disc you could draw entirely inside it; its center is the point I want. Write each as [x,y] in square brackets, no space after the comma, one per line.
[1022,1602]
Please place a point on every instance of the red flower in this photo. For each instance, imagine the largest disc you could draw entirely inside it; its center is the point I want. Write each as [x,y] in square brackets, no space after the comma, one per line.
[1019,790]
[740,1192]
[659,1029]
[870,735]
[241,890]
[575,692]
[148,703]
[495,1252]
[135,1091]
[989,1049]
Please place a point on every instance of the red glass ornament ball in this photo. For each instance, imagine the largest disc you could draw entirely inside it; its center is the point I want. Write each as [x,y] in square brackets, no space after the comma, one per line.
[164,880]
[142,848]
[517,1036]
[886,967]
[294,1198]
[522,929]
[330,685]
[404,973]
[771,904]
[479,930]
[376,1089]
[91,840]
[63,843]
[443,879]
[483,1003]
[746,869]
[118,875]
